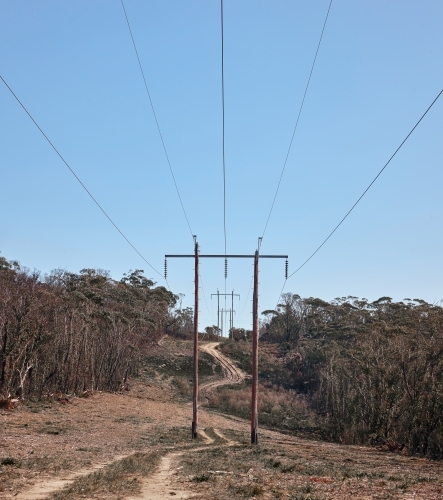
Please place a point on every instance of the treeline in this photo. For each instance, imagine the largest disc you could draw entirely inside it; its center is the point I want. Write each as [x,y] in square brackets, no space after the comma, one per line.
[67,333]
[373,370]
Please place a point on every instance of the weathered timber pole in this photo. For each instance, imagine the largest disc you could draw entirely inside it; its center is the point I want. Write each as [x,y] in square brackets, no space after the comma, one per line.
[218,313]
[232,313]
[197,256]
[254,412]
[195,387]
[221,322]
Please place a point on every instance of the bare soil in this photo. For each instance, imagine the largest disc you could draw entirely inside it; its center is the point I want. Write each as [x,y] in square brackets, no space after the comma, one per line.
[136,445]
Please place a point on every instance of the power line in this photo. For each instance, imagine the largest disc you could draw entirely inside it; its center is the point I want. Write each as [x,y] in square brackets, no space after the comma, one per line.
[223,134]
[155,118]
[223,119]
[370,185]
[78,179]
[204,294]
[281,293]
[298,118]
[247,296]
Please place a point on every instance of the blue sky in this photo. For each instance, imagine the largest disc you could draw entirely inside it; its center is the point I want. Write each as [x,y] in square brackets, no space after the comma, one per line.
[379,67]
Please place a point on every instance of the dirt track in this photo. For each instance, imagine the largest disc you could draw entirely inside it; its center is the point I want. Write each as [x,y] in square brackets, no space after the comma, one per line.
[159,485]
[100,430]
[232,374]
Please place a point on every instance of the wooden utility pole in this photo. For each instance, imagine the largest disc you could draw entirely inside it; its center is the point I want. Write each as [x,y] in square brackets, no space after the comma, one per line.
[195,385]
[221,323]
[254,409]
[232,309]
[218,312]
[196,256]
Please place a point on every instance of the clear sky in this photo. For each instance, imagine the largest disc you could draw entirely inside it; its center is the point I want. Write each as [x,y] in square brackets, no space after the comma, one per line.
[379,67]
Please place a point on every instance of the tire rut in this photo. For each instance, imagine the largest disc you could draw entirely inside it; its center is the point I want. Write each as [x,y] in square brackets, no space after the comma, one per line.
[160,484]
[43,488]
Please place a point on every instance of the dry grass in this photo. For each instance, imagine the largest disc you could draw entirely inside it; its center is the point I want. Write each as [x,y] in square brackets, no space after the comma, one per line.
[278,408]
[174,358]
[150,420]
[184,386]
[307,470]
[117,479]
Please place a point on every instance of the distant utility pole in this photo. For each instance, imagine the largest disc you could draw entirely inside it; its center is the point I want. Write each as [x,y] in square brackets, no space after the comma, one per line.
[196,256]
[231,322]
[218,309]
[231,317]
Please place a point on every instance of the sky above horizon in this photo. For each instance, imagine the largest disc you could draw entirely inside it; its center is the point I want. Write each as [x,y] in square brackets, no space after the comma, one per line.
[73,66]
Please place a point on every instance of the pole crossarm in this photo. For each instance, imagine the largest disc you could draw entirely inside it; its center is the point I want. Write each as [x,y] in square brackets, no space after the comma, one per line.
[222,256]
[227,294]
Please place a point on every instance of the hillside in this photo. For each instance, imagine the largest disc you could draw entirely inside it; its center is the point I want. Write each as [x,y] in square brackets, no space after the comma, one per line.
[136,444]
[369,372]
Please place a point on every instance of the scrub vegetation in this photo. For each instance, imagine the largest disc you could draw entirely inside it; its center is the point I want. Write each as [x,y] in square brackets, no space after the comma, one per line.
[67,333]
[371,372]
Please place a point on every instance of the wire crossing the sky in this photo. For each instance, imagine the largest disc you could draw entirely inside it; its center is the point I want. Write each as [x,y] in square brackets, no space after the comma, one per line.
[204,294]
[298,119]
[247,296]
[223,133]
[78,179]
[370,185]
[223,118]
[155,118]
[364,192]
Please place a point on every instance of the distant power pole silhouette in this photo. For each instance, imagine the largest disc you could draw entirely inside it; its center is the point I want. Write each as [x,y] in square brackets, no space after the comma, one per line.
[231,319]
[223,313]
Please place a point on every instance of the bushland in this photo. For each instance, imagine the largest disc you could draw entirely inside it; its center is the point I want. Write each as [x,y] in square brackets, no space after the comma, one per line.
[69,333]
[373,371]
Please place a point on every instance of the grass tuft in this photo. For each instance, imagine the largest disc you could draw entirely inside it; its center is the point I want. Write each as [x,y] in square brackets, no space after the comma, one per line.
[121,476]
[8,461]
[201,478]
[250,490]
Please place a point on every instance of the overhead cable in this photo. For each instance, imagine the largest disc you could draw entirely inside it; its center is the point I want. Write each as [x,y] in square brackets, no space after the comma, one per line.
[370,185]
[204,294]
[223,135]
[247,296]
[298,119]
[155,118]
[223,120]
[78,179]
[364,192]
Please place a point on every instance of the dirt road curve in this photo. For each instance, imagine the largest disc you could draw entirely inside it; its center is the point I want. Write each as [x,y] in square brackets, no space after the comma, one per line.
[232,374]
[64,446]
[160,484]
